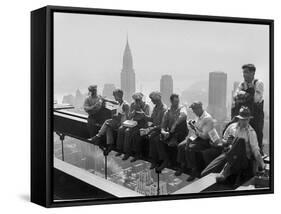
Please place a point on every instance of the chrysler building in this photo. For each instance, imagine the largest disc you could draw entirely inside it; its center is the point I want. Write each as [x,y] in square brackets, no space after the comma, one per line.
[128,77]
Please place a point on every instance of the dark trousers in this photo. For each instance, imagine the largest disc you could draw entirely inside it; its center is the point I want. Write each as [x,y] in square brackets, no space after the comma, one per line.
[157,149]
[210,154]
[238,164]
[181,153]
[237,158]
[120,138]
[194,159]
[136,143]
[124,139]
[153,152]
[107,128]
[215,166]
[92,126]
[257,123]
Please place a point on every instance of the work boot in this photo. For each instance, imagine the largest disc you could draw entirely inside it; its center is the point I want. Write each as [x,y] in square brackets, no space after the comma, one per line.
[95,140]
[125,157]
[220,178]
[118,154]
[194,174]
[178,172]
[153,165]
[224,174]
[108,149]
[190,178]
[163,165]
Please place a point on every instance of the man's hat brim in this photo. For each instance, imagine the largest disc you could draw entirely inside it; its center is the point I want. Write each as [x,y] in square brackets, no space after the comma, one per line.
[244,118]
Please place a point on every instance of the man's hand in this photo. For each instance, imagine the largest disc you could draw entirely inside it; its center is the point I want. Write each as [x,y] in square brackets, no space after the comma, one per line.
[191,125]
[173,128]
[230,139]
[144,132]
[165,135]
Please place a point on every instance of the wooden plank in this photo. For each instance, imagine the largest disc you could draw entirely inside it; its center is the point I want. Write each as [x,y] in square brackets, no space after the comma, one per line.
[94,180]
[198,185]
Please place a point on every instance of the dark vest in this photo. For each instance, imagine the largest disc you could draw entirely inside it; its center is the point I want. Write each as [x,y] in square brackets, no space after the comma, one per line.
[255,108]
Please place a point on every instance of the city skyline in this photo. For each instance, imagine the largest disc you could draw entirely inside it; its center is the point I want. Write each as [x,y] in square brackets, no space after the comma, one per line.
[198,60]
[187,50]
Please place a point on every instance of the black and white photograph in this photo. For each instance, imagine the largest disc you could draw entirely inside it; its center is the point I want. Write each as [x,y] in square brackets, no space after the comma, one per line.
[147,107]
[138,107]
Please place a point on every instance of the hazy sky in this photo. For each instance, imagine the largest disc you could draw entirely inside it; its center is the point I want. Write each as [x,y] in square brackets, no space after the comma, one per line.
[88,49]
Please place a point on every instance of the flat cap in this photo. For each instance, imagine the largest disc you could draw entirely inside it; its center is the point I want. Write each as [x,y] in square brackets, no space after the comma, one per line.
[196,104]
[137,96]
[156,95]
[92,87]
[251,67]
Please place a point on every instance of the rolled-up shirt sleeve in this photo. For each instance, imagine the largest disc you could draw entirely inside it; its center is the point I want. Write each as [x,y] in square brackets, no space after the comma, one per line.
[146,110]
[165,119]
[230,130]
[258,97]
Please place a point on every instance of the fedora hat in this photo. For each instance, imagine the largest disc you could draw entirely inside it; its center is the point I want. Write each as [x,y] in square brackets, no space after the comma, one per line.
[244,113]
[196,105]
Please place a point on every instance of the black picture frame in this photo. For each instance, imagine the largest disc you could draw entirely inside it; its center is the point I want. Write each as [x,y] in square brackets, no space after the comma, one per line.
[42,103]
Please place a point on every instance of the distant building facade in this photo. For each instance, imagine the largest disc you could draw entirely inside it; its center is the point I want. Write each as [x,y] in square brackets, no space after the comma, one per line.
[146,186]
[76,100]
[128,76]
[144,182]
[108,89]
[166,88]
[79,99]
[162,188]
[217,95]
[68,99]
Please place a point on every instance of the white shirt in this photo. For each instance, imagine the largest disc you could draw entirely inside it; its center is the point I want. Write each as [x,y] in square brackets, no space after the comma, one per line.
[204,124]
[120,110]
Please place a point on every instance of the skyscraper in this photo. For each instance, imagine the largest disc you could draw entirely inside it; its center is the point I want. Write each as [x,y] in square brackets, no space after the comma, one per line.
[79,99]
[162,188]
[143,182]
[166,88]
[235,86]
[128,77]
[217,95]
